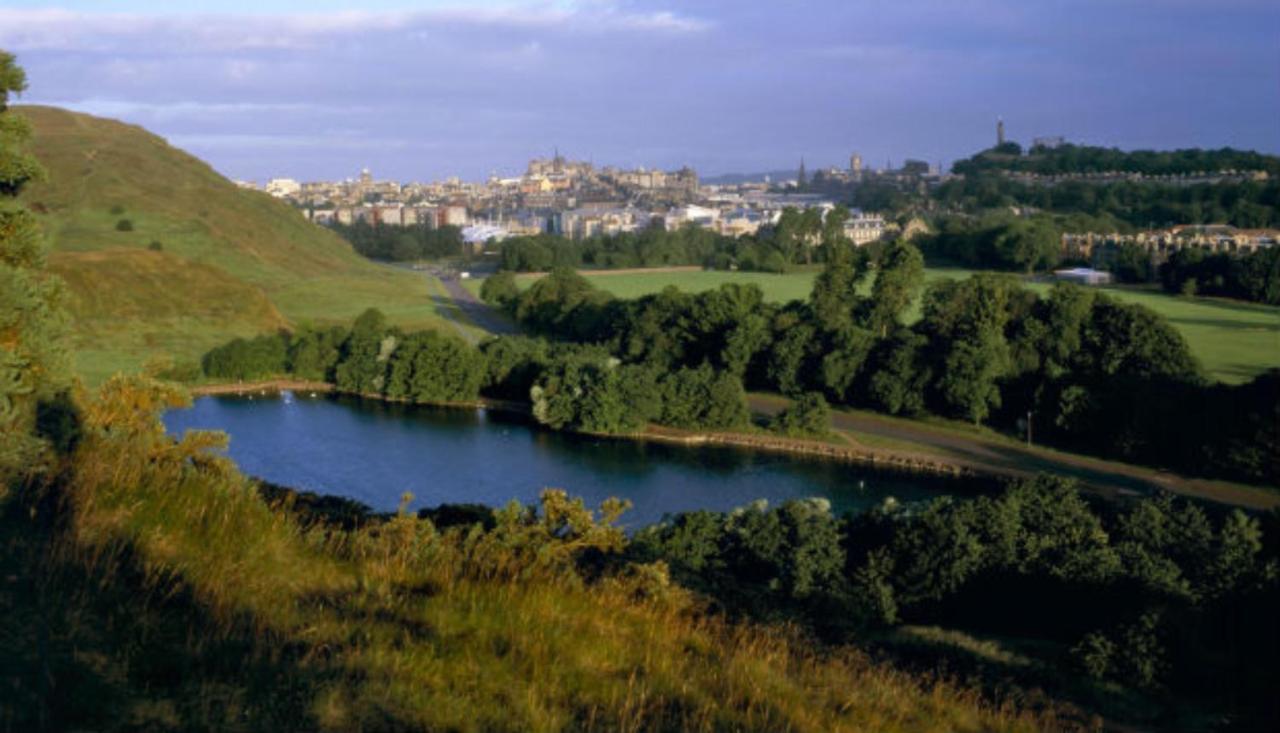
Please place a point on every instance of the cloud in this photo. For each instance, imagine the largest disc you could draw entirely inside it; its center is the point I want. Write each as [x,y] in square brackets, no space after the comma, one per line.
[165,111]
[65,30]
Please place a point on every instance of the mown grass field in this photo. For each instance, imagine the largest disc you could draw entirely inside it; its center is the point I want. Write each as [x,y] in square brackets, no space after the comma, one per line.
[1234,341]
[200,260]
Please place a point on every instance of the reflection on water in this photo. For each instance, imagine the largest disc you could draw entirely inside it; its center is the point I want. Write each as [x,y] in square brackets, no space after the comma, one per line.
[374,452]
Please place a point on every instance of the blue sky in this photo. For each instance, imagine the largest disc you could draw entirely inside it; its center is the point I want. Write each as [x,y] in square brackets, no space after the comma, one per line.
[422,90]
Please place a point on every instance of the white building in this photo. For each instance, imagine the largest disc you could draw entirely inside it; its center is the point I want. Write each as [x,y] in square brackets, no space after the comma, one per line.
[283,187]
[1083,276]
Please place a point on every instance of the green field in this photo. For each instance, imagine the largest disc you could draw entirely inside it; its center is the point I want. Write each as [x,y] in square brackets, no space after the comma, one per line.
[201,261]
[1234,341]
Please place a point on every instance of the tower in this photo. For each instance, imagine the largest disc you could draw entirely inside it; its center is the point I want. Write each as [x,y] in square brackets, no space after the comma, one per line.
[801,179]
[999,131]
[855,165]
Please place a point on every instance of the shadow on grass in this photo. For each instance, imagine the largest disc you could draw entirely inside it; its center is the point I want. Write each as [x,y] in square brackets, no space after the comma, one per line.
[103,649]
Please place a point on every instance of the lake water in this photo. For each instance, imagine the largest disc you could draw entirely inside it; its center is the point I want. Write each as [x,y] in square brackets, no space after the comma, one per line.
[375,452]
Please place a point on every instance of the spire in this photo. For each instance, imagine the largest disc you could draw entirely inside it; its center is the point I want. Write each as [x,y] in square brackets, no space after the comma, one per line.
[801,179]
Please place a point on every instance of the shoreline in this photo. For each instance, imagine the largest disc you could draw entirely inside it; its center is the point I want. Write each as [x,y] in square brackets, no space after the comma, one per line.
[880,460]
[1129,481]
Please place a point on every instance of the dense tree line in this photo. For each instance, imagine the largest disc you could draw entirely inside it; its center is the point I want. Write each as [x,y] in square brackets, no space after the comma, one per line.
[1088,372]
[794,239]
[1254,276]
[998,241]
[1067,159]
[569,386]
[1158,596]
[1251,204]
[401,244]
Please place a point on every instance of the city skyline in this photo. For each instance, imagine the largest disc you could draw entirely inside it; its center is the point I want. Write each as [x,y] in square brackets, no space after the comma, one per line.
[420,91]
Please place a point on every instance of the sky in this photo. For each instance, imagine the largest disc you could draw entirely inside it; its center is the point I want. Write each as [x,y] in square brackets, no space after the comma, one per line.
[424,90]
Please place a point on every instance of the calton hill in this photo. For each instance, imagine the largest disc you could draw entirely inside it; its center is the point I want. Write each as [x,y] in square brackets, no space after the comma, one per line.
[146,583]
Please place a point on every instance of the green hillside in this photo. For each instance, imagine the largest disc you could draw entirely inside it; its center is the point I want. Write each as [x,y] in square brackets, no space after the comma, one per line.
[165,257]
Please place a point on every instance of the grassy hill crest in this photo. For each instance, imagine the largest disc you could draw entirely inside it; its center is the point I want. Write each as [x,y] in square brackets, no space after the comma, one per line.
[166,257]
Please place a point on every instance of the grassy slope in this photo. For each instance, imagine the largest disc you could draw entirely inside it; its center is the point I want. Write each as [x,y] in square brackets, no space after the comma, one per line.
[234,262]
[171,597]
[1234,341]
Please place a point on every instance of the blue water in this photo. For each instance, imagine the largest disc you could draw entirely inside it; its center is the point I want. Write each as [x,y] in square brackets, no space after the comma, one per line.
[374,453]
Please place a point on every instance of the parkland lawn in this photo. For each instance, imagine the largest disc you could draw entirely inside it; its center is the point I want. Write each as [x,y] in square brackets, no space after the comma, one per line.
[1234,341]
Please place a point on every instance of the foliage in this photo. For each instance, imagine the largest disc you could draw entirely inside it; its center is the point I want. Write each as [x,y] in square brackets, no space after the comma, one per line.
[798,237]
[241,359]
[998,241]
[401,243]
[33,362]
[1254,276]
[499,289]
[1069,158]
[808,416]
[1034,560]
[173,597]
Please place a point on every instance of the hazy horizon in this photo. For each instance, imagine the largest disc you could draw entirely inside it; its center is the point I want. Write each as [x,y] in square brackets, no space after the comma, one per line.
[419,91]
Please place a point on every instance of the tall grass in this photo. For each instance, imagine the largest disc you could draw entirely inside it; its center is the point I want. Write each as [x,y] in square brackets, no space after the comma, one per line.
[201,606]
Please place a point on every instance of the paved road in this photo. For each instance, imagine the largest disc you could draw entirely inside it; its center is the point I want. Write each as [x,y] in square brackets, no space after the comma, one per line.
[990,455]
[476,310]
[981,454]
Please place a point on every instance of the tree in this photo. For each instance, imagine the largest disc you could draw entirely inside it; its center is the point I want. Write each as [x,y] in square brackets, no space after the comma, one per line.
[899,275]
[34,366]
[899,374]
[500,289]
[363,368]
[1028,244]
[808,416]
[835,298]
[701,398]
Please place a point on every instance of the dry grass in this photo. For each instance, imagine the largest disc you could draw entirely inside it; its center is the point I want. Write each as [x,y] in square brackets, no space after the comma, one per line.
[400,625]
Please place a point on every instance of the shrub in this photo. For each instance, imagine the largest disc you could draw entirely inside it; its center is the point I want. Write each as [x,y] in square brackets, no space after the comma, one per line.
[124,225]
[156,246]
[807,416]
[500,289]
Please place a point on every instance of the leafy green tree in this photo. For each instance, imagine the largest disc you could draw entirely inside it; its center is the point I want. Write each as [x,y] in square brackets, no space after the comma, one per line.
[808,416]
[1028,244]
[899,374]
[790,359]
[512,364]
[899,277]
[700,398]
[363,367]
[34,366]
[844,362]
[444,368]
[314,352]
[1132,340]
[583,393]
[500,289]
[835,299]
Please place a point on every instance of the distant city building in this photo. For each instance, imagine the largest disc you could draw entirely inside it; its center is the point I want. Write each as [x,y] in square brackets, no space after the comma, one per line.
[283,187]
[1051,142]
[1083,276]
[999,131]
